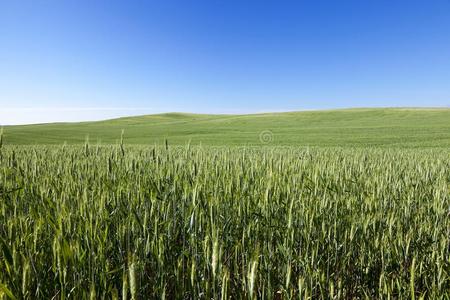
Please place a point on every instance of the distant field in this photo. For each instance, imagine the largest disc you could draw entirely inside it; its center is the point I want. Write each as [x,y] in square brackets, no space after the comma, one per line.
[392,127]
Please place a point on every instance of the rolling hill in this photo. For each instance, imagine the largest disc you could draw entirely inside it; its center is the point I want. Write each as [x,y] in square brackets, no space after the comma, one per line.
[386,127]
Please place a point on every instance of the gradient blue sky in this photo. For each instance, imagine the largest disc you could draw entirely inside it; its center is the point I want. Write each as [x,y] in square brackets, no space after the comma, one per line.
[80,60]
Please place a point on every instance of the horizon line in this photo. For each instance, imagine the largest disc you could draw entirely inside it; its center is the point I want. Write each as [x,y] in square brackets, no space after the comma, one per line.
[262,112]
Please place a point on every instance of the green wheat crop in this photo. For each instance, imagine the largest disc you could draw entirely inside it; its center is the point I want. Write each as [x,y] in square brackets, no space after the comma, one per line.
[226,223]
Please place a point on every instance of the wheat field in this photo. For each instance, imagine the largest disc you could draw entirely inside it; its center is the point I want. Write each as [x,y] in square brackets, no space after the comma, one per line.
[110,222]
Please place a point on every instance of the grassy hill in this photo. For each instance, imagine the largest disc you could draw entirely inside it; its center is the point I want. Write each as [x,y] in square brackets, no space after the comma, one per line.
[389,127]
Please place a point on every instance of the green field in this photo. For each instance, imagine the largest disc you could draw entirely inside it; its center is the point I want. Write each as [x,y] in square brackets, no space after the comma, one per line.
[339,204]
[113,222]
[349,127]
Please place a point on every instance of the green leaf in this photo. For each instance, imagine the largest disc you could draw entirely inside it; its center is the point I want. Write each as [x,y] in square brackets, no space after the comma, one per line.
[7,292]
[6,252]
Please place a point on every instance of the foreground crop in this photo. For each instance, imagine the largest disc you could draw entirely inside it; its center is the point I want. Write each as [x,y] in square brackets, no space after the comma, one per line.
[225,223]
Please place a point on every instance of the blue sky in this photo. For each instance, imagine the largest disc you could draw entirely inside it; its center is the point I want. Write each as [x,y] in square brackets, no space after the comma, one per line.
[81,60]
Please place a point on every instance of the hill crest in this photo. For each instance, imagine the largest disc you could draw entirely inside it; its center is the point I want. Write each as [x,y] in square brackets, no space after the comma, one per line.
[410,127]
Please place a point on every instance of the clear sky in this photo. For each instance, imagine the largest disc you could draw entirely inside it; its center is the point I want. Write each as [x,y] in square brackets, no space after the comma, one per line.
[72,60]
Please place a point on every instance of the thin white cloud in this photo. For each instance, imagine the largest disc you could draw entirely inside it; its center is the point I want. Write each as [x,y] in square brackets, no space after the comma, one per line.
[53,109]
[34,115]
